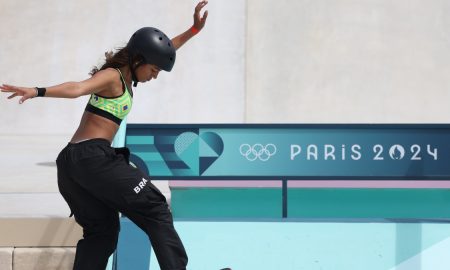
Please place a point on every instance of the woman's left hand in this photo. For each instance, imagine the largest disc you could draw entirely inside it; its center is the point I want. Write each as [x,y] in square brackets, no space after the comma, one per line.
[199,22]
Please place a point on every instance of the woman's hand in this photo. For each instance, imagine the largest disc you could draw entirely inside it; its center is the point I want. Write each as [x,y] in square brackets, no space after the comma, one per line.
[24,92]
[199,22]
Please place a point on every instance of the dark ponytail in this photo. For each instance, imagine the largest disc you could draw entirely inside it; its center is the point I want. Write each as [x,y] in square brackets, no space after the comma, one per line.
[116,60]
[113,60]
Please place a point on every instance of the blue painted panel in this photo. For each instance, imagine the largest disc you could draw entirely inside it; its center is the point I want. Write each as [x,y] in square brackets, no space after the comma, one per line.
[133,249]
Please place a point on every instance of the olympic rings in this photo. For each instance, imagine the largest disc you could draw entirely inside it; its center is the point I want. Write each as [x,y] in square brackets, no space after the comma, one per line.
[258,151]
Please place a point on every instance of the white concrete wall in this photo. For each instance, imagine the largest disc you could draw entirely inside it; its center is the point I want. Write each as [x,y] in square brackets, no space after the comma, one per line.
[49,42]
[345,61]
[348,61]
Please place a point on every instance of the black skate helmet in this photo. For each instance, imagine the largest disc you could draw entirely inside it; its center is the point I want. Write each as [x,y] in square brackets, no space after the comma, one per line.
[155,48]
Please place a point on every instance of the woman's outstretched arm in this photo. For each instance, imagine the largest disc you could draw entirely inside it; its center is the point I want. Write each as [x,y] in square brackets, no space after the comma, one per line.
[199,23]
[100,81]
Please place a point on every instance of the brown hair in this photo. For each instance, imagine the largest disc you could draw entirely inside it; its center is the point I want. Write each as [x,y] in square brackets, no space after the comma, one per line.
[116,60]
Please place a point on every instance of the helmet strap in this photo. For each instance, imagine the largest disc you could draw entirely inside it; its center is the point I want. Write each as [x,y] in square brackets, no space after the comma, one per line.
[134,78]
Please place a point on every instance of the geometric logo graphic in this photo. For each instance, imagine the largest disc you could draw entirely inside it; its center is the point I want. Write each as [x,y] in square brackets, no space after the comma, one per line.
[198,152]
[258,151]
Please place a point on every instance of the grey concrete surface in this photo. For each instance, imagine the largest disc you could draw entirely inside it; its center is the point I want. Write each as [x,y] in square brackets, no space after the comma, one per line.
[38,205]
[39,232]
[6,258]
[43,258]
[28,163]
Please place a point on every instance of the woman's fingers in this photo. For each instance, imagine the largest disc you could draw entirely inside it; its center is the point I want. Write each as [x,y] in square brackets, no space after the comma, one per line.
[199,21]
[22,100]
[17,91]
[204,17]
[25,97]
[12,96]
[9,88]
[200,5]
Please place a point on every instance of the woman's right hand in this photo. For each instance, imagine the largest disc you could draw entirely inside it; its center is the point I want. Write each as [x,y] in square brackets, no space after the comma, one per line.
[199,21]
[24,92]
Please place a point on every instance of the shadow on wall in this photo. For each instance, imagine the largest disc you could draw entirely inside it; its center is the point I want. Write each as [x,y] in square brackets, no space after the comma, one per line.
[47,164]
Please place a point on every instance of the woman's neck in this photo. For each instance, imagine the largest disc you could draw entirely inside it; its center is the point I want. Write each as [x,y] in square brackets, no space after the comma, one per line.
[126,73]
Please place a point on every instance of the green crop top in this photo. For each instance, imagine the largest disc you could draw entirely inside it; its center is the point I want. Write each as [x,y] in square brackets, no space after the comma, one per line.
[112,108]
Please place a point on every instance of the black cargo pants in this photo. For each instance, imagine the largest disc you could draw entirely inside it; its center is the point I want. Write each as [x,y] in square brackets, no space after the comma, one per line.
[97,182]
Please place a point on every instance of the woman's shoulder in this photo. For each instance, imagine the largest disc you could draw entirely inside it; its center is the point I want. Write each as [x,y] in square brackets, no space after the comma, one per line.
[113,84]
[107,72]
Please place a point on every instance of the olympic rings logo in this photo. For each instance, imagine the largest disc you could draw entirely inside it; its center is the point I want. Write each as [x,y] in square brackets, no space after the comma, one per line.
[258,151]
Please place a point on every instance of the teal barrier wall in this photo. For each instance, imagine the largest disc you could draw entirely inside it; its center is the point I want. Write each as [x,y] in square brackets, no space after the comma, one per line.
[226,202]
[250,234]
[369,203]
[296,152]
[293,244]
[281,244]
[133,249]
[317,203]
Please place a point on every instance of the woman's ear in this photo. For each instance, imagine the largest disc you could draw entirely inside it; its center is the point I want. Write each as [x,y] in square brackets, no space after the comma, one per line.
[137,63]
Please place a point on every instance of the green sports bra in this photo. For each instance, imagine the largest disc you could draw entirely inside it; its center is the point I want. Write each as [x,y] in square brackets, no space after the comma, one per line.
[112,108]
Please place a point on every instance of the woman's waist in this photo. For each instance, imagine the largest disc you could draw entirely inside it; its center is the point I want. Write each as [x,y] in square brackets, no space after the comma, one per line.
[77,139]
[98,148]
[94,127]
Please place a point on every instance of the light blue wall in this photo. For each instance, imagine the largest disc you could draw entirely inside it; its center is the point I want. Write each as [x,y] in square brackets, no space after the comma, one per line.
[314,245]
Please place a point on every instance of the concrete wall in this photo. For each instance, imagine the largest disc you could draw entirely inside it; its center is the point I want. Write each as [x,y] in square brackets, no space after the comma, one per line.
[346,61]
[49,42]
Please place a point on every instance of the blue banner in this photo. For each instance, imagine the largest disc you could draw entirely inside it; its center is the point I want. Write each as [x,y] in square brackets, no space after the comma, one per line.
[261,151]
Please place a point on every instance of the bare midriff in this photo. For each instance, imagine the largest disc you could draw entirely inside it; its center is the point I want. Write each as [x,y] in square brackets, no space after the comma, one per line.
[93,126]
